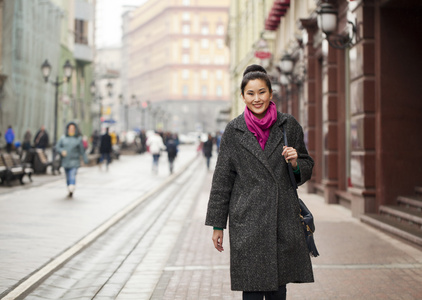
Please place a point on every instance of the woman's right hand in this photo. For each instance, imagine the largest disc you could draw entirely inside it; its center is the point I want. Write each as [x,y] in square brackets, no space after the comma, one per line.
[217,238]
[64,153]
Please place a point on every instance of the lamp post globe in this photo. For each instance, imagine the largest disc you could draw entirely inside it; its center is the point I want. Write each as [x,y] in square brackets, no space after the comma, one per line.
[327,19]
[286,64]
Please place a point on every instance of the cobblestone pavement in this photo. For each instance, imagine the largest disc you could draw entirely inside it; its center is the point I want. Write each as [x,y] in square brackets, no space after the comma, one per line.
[356,262]
[39,222]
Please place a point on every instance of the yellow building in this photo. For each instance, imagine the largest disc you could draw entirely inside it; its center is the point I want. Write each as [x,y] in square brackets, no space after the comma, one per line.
[177,62]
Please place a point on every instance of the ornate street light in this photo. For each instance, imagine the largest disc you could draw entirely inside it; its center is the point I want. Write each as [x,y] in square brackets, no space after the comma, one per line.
[46,71]
[327,21]
[286,64]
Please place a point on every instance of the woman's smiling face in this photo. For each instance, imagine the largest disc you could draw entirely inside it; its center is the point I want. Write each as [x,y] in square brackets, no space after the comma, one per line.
[257,97]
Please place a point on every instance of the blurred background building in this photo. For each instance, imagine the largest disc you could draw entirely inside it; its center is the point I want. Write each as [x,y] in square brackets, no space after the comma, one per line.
[35,31]
[176,64]
[349,72]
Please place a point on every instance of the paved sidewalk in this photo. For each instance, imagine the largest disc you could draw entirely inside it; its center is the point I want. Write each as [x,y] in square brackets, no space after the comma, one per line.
[38,222]
[356,262]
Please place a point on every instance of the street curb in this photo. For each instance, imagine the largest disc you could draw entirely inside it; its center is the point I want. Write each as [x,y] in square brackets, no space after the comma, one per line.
[22,289]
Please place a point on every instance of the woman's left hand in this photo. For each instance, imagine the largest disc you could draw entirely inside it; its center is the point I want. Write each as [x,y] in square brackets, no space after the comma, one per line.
[291,155]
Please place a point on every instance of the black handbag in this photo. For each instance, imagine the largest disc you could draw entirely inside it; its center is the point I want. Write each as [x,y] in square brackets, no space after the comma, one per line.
[305,215]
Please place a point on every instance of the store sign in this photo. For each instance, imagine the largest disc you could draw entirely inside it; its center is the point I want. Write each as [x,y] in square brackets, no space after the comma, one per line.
[263,54]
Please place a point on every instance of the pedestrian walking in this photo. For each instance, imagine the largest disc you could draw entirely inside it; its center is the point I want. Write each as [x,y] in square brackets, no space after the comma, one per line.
[41,138]
[251,187]
[172,150]
[95,139]
[9,136]
[26,145]
[155,145]
[71,149]
[143,138]
[105,148]
[207,150]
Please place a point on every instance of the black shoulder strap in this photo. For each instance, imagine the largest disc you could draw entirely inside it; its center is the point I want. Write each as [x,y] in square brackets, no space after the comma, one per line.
[289,165]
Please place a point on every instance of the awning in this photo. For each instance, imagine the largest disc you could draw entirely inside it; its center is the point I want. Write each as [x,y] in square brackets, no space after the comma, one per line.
[278,10]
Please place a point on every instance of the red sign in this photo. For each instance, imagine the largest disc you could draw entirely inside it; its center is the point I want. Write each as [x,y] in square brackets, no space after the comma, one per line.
[263,54]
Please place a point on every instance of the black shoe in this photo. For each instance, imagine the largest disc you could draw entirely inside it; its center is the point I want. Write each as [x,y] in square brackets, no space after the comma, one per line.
[70,194]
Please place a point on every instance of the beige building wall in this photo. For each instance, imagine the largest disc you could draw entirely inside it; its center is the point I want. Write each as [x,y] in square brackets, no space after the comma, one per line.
[246,29]
[177,51]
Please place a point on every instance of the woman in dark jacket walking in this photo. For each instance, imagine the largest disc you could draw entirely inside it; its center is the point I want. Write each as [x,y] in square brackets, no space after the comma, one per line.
[207,150]
[71,150]
[251,188]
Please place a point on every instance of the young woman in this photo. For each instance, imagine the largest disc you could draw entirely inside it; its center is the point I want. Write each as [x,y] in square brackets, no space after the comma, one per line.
[70,148]
[251,187]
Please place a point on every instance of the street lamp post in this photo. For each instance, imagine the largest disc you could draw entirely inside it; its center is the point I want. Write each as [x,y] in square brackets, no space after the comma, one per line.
[93,90]
[46,70]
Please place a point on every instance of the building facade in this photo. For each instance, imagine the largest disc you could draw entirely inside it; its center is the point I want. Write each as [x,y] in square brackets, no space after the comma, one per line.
[178,63]
[356,103]
[33,31]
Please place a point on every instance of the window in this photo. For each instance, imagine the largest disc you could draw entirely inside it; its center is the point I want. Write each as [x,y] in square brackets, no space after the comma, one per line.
[220,43]
[185,90]
[185,58]
[186,43]
[205,43]
[205,29]
[204,90]
[81,32]
[186,29]
[220,30]
[185,74]
[204,74]
[186,2]
[219,75]
[219,91]
[186,16]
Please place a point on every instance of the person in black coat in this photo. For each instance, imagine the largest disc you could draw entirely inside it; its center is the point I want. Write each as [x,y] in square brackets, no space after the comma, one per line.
[171,147]
[207,150]
[105,148]
[41,138]
[252,192]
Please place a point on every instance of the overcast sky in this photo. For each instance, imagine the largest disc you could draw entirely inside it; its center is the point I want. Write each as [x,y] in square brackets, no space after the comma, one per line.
[109,21]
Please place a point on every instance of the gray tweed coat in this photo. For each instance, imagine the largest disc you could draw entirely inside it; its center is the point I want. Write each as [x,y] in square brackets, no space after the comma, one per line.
[252,188]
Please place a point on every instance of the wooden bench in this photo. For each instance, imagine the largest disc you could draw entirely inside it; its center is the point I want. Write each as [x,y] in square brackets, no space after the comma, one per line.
[12,171]
[27,167]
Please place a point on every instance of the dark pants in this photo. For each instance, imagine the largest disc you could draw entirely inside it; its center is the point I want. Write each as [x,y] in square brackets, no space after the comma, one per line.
[105,156]
[276,295]
[208,161]
[8,148]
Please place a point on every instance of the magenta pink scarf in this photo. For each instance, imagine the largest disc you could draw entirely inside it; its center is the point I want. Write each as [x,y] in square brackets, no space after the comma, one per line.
[261,128]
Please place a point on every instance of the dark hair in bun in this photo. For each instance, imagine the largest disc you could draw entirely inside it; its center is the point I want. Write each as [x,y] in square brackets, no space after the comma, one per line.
[254,72]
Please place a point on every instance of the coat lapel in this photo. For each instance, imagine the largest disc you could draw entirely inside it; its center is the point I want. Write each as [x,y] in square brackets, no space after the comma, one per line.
[249,141]
[276,136]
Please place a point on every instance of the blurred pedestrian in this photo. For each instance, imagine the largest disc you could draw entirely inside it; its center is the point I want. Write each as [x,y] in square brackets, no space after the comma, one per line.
[71,149]
[155,145]
[9,136]
[85,142]
[207,150]
[41,138]
[218,141]
[251,189]
[105,148]
[172,150]
[26,144]
[95,139]
[143,138]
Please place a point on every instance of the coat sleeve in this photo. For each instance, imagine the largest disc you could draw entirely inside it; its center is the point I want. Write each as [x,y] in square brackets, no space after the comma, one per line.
[222,185]
[305,161]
